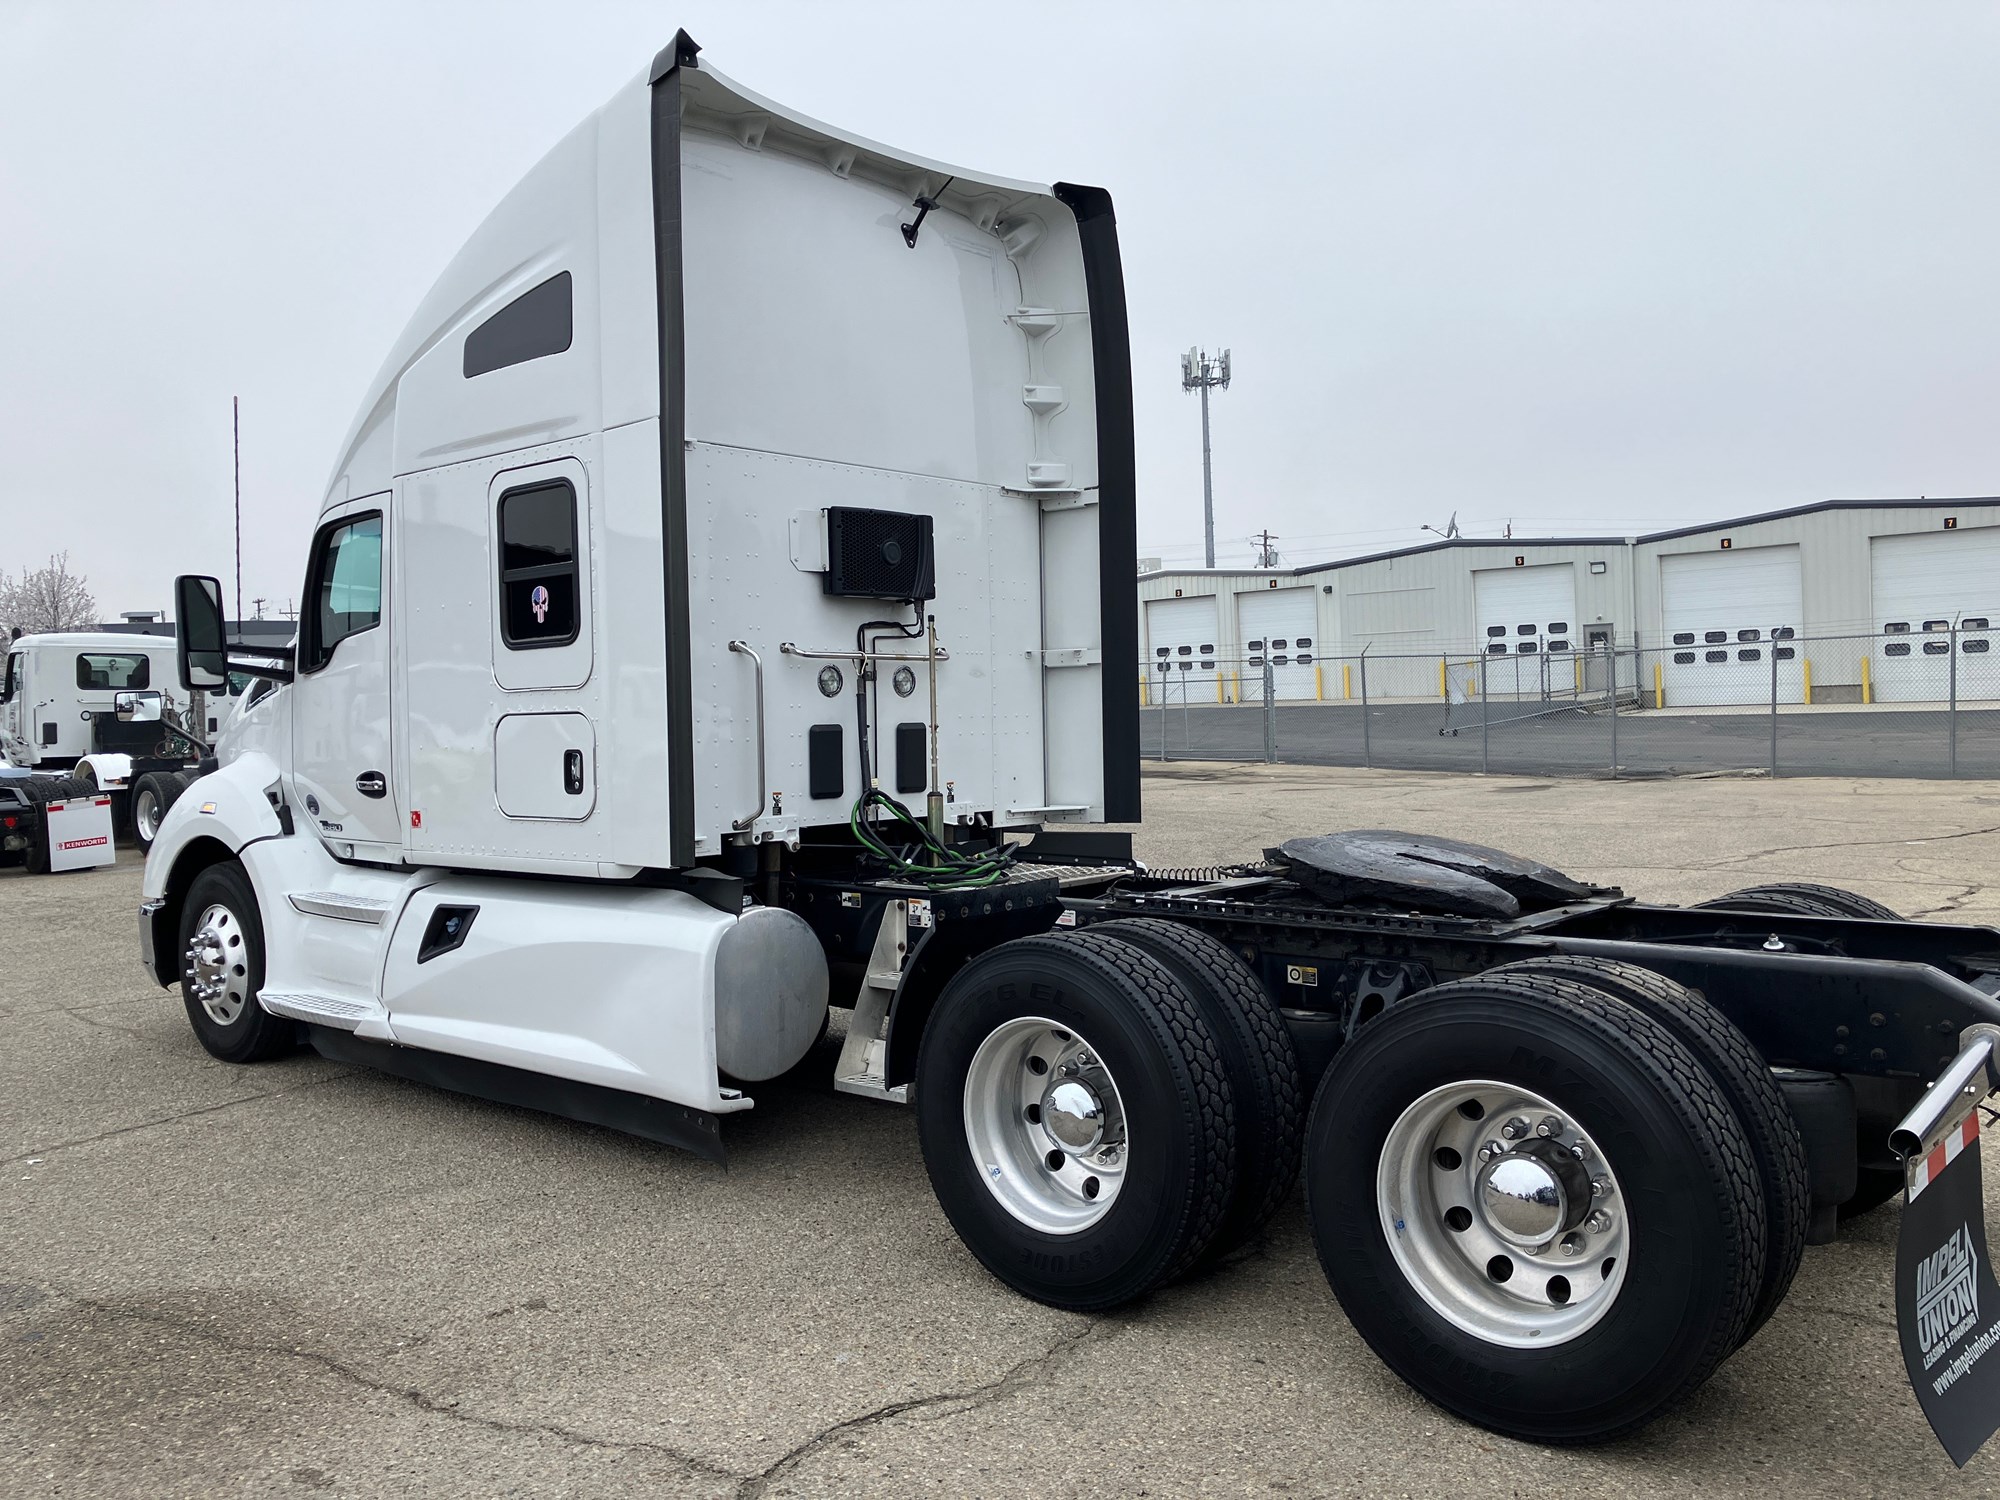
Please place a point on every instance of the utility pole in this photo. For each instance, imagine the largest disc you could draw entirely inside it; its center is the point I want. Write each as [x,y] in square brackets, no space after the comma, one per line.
[1267,555]
[1199,373]
[236,434]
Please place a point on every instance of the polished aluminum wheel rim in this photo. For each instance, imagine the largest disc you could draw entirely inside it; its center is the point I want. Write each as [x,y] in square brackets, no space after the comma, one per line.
[147,817]
[1503,1214]
[217,965]
[1045,1125]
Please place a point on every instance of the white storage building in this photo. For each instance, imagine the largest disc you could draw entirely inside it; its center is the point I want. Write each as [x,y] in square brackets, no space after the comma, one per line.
[1877,600]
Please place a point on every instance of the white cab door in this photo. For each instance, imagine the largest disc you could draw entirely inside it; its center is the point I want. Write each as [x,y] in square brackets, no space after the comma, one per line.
[1934,589]
[1280,624]
[342,778]
[1727,615]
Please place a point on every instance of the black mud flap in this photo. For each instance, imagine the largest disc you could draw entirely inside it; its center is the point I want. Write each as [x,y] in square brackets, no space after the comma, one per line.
[1947,1307]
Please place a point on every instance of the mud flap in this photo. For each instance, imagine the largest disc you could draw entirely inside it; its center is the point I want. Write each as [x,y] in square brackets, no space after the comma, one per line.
[1947,1307]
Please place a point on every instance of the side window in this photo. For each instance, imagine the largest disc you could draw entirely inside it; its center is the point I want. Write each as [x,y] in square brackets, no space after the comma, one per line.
[535,324]
[538,590]
[12,679]
[343,587]
[260,689]
[102,672]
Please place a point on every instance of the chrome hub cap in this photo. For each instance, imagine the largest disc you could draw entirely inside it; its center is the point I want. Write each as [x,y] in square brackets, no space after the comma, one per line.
[215,965]
[147,815]
[1503,1214]
[1045,1125]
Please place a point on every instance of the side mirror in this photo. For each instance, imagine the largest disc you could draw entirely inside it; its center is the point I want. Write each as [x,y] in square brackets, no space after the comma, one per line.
[144,707]
[201,648]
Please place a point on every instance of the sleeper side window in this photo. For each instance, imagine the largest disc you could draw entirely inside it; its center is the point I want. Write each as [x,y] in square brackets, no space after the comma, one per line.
[538,585]
[10,683]
[343,587]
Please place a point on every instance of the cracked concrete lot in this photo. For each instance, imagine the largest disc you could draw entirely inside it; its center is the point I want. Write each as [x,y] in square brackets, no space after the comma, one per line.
[303,1278]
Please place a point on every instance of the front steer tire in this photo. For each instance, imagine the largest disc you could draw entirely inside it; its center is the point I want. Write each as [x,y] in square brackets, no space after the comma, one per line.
[1099,1224]
[222,969]
[1496,1340]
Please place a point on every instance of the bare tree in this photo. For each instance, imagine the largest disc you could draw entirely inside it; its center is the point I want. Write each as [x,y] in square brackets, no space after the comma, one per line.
[46,598]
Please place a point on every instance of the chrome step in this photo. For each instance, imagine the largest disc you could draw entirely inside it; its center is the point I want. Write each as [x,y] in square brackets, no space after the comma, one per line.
[322,1010]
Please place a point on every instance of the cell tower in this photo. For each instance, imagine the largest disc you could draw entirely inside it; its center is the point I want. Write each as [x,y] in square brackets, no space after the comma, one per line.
[1199,373]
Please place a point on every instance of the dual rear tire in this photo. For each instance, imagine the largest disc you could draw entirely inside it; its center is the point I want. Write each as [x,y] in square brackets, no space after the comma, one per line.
[151,796]
[1539,1205]
[1102,1111]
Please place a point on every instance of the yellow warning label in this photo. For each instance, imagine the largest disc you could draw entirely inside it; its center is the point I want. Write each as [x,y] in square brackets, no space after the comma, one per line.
[1302,974]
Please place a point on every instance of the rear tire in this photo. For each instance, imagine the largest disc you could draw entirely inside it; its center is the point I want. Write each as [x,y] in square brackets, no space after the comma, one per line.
[222,969]
[1742,1074]
[1799,898]
[1076,1220]
[1412,1210]
[1257,1053]
[150,801]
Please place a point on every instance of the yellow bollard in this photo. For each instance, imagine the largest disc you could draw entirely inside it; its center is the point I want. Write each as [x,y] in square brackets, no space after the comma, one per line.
[1808,662]
[1347,679]
[1145,691]
[1577,662]
[1867,688]
[1219,697]
[1443,690]
[1319,686]
[1659,687]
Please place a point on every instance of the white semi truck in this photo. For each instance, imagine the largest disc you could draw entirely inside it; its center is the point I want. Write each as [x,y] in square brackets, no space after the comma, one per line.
[87,713]
[720,606]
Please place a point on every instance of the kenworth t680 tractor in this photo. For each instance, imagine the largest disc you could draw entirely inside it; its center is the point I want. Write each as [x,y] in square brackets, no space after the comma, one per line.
[720,610]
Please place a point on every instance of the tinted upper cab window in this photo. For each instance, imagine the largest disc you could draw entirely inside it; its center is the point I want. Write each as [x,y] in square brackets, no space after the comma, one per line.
[538,565]
[538,323]
[344,585]
[107,671]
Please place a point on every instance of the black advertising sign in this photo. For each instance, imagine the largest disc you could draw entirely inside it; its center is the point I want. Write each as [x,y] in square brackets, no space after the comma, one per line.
[1947,1307]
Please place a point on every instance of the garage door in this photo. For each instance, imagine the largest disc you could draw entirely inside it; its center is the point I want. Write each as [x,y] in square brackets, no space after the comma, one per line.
[1727,614]
[1183,637]
[1924,585]
[1526,626]
[1280,623]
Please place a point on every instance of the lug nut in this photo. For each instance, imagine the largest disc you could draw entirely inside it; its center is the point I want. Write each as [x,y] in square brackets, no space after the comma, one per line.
[1581,1151]
[1550,1126]
[1490,1150]
[1572,1243]
[1598,1222]
[1600,1187]
[1515,1128]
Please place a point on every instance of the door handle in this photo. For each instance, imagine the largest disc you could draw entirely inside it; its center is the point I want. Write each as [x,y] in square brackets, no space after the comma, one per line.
[573,772]
[372,784]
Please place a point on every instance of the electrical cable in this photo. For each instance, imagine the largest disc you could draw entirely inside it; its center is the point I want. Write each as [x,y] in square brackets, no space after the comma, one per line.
[923,859]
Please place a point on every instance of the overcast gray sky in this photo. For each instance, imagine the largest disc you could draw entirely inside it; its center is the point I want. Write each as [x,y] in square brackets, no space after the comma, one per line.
[1584,266]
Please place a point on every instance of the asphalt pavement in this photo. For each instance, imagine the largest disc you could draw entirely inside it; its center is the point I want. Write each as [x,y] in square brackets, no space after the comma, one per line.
[1573,742]
[304,1278]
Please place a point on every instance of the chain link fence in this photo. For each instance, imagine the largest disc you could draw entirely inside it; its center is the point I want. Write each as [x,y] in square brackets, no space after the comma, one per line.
[1917,702]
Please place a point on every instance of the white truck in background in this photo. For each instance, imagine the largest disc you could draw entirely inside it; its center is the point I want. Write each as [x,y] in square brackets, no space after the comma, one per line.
[90,713]
[742,478]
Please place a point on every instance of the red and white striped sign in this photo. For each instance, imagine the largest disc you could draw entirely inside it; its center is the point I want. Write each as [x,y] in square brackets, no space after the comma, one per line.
[1943,1154]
